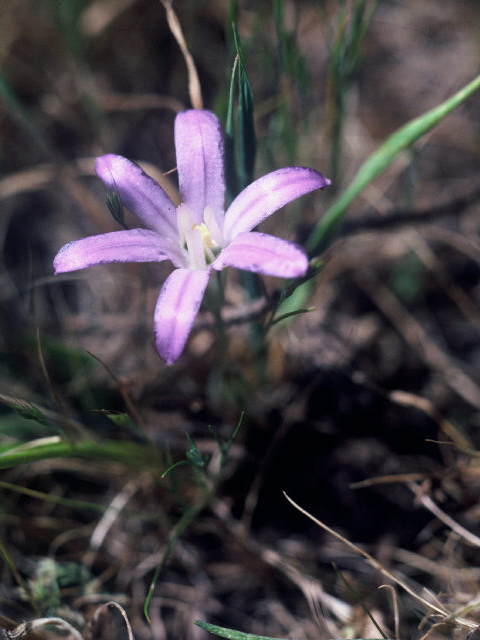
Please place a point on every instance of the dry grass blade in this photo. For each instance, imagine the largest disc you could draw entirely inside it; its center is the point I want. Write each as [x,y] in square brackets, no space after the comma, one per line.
[428,503]
[416,336]
[427,256]
[7,626]
[111,514]
[193,81]
[390,479]
[407,399]
[132,410]
[25,628]
[396,616]
[311,588]
[69,431]
[102,611]
[377,565]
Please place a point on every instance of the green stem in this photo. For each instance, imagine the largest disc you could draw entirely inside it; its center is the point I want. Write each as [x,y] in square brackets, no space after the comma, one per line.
[20,581]
[182,525]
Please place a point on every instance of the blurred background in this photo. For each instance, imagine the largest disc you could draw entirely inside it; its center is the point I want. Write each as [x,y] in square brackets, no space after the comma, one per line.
[380,380]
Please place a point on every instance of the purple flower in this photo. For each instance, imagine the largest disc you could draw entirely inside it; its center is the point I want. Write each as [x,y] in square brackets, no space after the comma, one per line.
[198,235]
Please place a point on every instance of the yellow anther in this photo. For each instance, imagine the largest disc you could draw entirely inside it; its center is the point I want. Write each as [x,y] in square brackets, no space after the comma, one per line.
[205,233]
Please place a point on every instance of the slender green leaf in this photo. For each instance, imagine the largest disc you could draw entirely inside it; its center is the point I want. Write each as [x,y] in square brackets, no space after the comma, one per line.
[246,125]
[345,58]
[379,160]
[290,314]
[230,163]
[131,454]
[54,499]
[232,634]
[121,419]
[193,455]
[173,466]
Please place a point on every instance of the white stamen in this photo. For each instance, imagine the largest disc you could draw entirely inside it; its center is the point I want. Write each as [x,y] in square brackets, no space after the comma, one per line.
[199,240]
[211,224]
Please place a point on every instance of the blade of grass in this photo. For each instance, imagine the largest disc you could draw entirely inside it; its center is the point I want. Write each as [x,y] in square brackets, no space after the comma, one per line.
[232,634]
[246,147]
[48,497]
[345,60]
[246,126]
[379,160]
[131,454]
[230,163]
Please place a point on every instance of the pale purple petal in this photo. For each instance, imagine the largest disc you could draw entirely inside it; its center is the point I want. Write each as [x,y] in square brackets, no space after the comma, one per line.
[176,310]
[139,193]
[265,254]
[200,162]
[268,194]
[134,245]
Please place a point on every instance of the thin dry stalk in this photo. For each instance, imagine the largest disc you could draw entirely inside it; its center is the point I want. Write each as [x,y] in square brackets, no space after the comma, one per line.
[416,336]
[108,519]
[407,399]
[194,89]
[132,410]
[396,616]
[447,617]
[460,298]
[428,503]
[109,605]
[311,588]
[25,628]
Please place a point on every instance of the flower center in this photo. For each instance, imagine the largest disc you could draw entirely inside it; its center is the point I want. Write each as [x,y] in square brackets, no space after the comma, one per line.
[201,241]
[206,236]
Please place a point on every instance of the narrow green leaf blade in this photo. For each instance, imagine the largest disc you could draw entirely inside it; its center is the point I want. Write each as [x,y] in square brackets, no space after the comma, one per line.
[232,634]
[230,163]
[246,126]
[129,453]
[379,160]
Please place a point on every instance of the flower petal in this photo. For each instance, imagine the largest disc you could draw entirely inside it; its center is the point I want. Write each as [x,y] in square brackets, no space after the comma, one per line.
[176,309]
[268,194]
[140,193]
[200,162]
[134,245]
[265,254]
